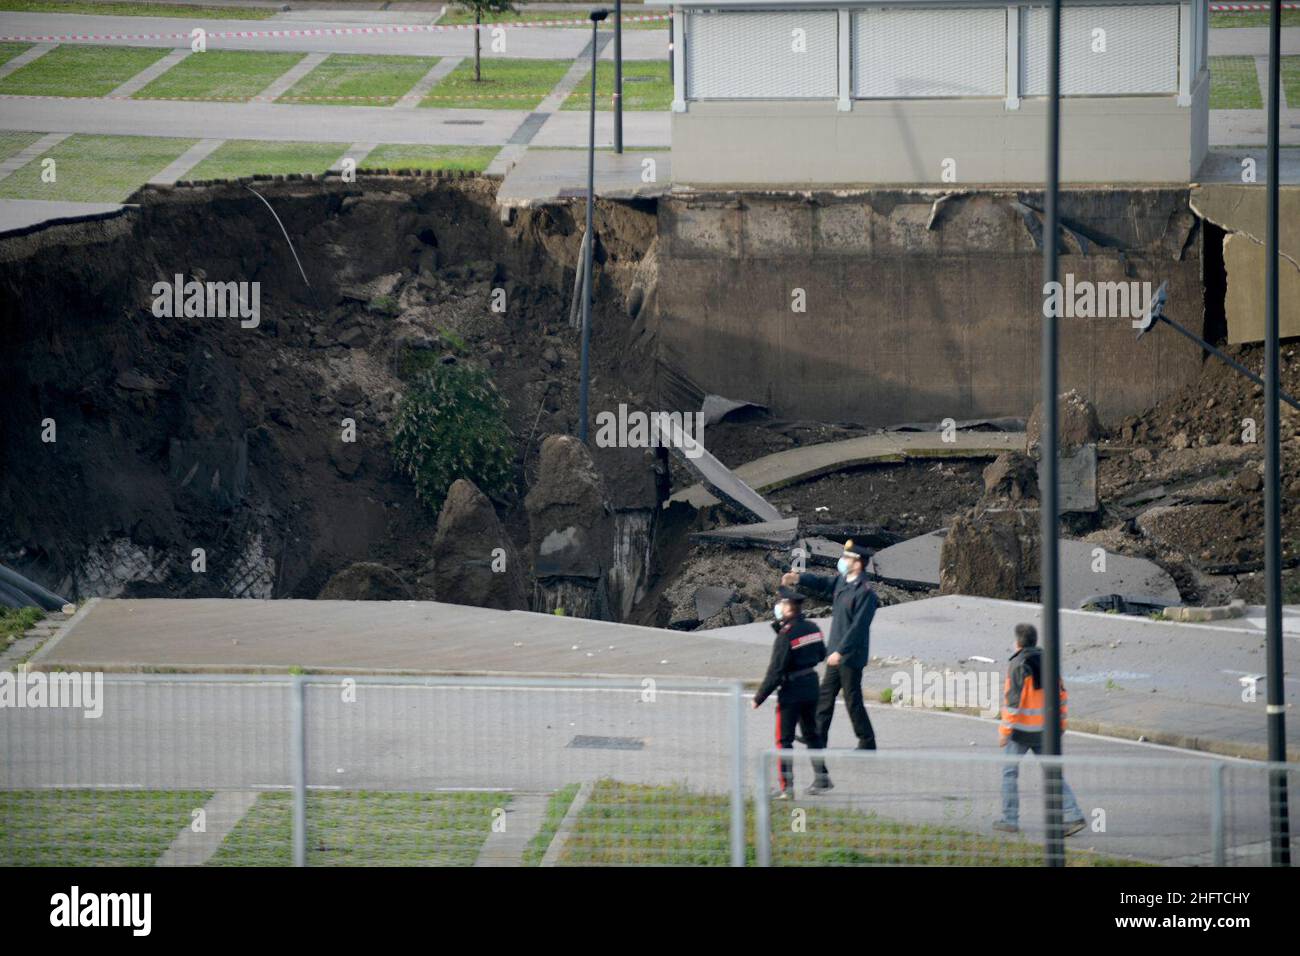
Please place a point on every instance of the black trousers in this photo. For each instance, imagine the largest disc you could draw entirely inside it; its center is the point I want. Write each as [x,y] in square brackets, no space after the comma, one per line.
[848,680]
[804,714]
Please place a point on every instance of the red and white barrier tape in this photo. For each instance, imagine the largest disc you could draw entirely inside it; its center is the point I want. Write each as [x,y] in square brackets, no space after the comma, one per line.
[319,32]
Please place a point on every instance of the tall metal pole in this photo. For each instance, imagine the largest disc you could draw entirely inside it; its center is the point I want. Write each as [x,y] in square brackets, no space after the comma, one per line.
[1280,836]
[589,238]
[1048,493]
[618,76]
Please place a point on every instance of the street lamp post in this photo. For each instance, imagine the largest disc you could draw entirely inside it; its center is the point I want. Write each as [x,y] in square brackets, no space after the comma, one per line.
[589,238]
[1280,835]
[618,76]
[1049,490]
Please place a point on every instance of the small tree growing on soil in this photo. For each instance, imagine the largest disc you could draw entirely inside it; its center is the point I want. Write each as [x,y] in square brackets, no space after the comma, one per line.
[451,424]
[480,7]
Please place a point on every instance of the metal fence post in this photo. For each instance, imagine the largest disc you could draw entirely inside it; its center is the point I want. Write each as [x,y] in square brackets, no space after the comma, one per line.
[737,775]
[762,822]
[298,746]
[1218,834]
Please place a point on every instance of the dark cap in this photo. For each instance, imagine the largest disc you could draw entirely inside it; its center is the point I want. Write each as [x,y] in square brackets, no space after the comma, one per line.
[853,551]
[784,593]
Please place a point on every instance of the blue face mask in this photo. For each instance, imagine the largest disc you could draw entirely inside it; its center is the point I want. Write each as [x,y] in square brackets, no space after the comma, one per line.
[844,565]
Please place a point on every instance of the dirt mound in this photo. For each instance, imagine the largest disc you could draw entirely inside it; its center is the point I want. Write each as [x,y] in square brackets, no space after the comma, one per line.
[365,581]
[474,561]
[267,447]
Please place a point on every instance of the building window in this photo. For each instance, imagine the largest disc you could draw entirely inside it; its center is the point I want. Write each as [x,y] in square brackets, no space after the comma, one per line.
[900,54]
[784,55]
[1105,50]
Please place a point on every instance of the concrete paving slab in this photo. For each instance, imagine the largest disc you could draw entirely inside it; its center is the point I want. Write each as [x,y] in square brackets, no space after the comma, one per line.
[809,461]
[524,815]
[288,79]
[439,71]
[379,637]
[22,59]
[19,214]
[221,814]
[915,563]
[175,171]
[1250,128]
[149,74]
[1179,684]
[762,534]
[642,129]
[1223,165]
[542,176]
[1251,41]
[25,156]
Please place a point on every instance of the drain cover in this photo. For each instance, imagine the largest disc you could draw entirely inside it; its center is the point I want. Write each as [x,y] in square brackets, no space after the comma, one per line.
[584,742]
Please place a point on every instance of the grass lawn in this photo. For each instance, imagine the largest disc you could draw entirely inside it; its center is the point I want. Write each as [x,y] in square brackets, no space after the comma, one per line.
[363,828]
[136,9]
[1290,18]
[73,70]
[349,79]
[95,168]
[634,824]
[506,84]
[229,75]
[92,827]
[11,144]
[459,15]
[16,620]
[646,86]
[475,159]
[1234,84]
[10,50]
[1291,81]
[556,807]
[245,157]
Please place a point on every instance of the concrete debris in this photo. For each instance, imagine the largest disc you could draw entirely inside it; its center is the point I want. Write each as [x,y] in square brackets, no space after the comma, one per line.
[763,534]
[717,409]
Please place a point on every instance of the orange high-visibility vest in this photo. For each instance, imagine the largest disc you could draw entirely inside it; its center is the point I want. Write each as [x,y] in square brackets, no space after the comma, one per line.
[1027,715]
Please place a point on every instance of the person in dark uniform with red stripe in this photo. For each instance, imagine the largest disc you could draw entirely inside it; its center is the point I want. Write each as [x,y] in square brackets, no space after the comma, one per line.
[792,673]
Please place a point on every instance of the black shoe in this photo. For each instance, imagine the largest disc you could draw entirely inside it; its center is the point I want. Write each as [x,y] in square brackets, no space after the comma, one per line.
[1074,826]
[817,789]
[780,794]
[866,745]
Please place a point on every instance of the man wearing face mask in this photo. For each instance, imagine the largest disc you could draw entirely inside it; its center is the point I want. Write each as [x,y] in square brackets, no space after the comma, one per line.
[796,652]
[853,605]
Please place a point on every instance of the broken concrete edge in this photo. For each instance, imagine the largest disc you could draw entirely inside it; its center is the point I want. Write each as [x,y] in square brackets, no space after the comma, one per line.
[694,495]
[1235,608]
[1209,745]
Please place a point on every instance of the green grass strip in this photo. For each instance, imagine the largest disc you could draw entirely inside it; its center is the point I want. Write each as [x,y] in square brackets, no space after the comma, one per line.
[94,168]
[397,156]
[237,158]
[81,71]
[1290,18]
[184,11]
[1234,84]
[556,807]
[221,75]
[364,828]
[505,84]
[1290,66]
[10,50]
[16,620]
[351,79]
[92,827]
[647,85]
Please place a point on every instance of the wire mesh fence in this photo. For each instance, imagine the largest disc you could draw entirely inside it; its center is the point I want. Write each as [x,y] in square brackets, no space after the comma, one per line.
[238,771]
[899,808]
[443,771]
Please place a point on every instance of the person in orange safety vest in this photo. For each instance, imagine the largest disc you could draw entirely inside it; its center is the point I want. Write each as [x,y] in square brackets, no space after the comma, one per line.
[1021,730]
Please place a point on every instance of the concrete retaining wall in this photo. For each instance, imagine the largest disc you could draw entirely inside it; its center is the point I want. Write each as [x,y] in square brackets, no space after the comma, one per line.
[916,311]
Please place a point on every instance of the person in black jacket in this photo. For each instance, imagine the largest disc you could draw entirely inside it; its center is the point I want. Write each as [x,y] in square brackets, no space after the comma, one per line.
[853,605]
[796,652]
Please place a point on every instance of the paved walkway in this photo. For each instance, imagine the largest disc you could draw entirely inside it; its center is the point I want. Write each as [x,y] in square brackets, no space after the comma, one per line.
[809,461]
[1179,684]
[523,43]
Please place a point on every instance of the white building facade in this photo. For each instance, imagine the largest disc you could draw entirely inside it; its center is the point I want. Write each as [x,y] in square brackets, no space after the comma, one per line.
[785,92]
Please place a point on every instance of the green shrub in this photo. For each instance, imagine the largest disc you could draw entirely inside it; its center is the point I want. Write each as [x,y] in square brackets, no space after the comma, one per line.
[451,424]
